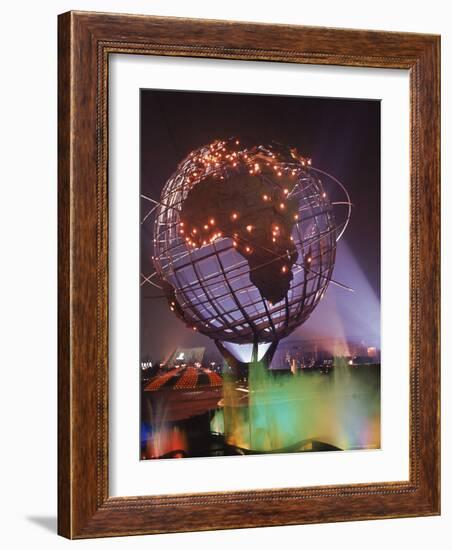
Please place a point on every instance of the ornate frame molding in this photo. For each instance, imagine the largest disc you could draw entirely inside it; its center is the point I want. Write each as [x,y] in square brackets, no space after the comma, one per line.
[85,42]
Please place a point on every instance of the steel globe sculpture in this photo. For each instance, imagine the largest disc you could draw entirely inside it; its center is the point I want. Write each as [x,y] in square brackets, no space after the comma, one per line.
[245,244]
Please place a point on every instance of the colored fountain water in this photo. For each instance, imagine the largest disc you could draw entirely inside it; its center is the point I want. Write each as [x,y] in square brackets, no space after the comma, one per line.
[287,412]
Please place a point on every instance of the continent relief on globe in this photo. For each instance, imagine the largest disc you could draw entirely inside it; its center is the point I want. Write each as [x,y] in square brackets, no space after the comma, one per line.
[257,214]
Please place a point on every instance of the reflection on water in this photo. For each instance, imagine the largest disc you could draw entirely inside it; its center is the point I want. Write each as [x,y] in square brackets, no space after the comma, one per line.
[272,411]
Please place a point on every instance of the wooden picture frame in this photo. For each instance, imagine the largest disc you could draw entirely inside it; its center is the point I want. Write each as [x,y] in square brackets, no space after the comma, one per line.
[86,40]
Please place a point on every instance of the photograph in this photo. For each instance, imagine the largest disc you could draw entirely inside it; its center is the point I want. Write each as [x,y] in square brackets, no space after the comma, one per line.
[260,274]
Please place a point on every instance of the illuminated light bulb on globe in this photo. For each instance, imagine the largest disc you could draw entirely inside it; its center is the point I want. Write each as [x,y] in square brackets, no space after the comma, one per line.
[245,244]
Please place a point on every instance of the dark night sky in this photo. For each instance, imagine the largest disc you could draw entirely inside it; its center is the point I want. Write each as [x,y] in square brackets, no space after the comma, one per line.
[342,136]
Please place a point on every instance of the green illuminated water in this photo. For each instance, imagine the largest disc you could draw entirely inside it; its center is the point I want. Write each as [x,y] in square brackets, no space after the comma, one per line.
[278,411]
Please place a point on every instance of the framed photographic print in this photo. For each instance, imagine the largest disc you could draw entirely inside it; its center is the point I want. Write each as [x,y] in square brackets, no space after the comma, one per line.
[248,275]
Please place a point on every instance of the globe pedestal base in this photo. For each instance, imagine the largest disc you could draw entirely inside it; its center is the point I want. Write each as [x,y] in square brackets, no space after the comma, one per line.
[237,366]
[238,395]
